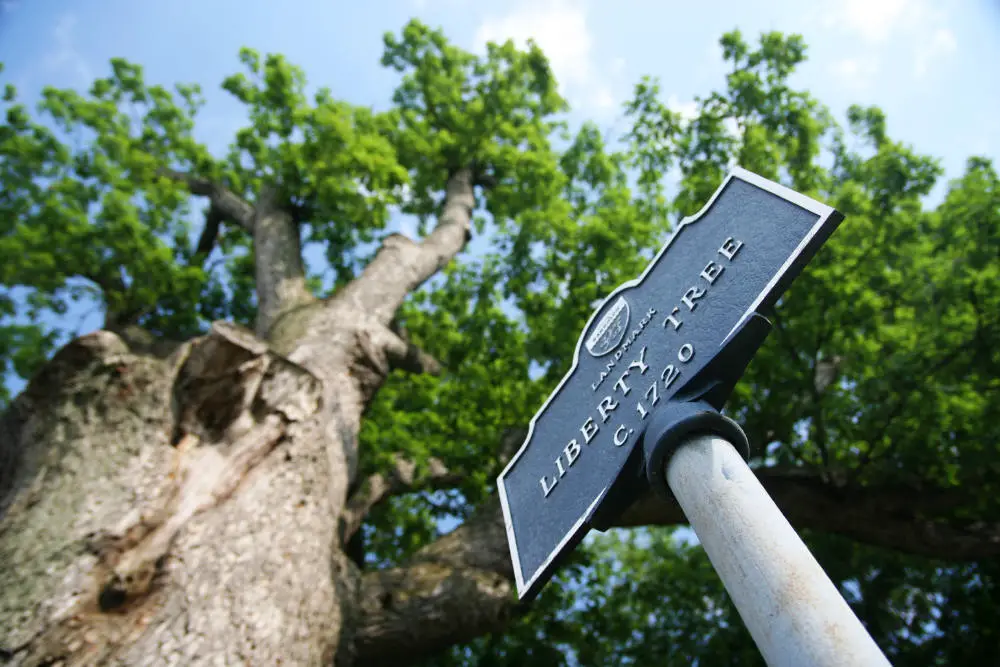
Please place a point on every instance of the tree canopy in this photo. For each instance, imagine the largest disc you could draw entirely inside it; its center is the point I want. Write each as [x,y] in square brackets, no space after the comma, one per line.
[872,408]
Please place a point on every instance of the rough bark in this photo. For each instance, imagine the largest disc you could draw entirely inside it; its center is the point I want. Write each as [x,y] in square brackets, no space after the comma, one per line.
[402,265]
[184,504]
[280,276]
[135,497]
[456,589]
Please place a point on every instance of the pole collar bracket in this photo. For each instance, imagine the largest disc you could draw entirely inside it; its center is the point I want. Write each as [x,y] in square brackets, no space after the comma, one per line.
[675,424]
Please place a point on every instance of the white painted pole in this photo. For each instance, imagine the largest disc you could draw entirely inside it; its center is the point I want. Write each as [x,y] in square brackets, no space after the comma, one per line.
[793,611]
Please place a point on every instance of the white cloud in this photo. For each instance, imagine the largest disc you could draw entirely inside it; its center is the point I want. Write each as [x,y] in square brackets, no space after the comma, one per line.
[877,22]
[688,110]
[873,20]
[560,29]
[941,44]
[855,73]
[919,27]
[421,5]
[604,100]
[63,55]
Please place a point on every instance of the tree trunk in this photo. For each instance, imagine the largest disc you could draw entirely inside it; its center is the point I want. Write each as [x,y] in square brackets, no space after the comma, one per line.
[179,510]
[190,509]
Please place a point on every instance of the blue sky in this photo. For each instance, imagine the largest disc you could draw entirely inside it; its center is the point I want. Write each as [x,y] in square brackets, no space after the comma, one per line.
[931,65]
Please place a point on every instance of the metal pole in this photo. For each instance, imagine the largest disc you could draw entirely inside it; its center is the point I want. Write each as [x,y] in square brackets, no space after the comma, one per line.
[793,611]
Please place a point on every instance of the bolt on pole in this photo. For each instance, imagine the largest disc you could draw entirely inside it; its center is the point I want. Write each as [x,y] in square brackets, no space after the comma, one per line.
[793,611]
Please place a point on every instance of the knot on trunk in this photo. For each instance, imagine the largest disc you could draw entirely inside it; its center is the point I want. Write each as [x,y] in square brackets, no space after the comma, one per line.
[233,400]
[380,349]
[230,379]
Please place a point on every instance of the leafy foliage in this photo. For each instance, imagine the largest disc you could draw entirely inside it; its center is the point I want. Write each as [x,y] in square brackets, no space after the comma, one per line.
[333,162]
[882,369]
[457,109]
[895,307]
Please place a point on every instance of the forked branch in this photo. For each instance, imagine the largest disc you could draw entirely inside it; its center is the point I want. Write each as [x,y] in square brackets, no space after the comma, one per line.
[401,265]
[400,478]
[225,201]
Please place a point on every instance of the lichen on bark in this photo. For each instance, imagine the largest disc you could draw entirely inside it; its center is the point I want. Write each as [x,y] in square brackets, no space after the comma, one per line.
[121,510]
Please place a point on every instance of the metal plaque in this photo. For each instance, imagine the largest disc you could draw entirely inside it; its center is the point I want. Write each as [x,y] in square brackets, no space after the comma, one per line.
[732,259]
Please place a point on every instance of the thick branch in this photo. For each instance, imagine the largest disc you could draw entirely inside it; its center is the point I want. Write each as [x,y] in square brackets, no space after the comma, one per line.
[279,271]
[402,265]
[377,350]
[452,591]
[401,478]
[380,486]
[228,203]
[462,581]
[209,235]
[407,356]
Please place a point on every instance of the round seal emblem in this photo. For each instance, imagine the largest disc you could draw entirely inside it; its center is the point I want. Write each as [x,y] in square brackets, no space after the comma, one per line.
[610,329]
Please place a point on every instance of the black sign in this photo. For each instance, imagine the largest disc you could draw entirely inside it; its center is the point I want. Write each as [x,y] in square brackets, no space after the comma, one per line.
[721,266]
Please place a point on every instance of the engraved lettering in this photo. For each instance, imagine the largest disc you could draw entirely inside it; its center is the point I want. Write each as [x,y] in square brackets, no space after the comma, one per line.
[572,451]
[613,365]
[730,247]
[603,376]
[640,363]
[686,353]
[672,320]
[692,295]
[712,271]
[668,375]
[606,405]
[656,396]
[623,349]
[621,386]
